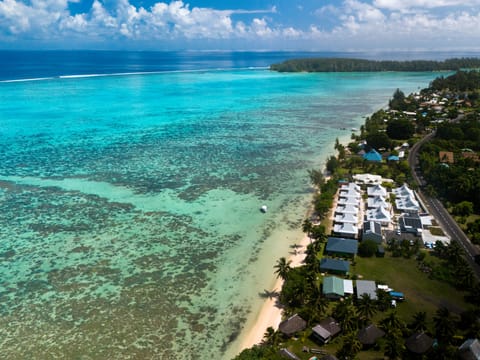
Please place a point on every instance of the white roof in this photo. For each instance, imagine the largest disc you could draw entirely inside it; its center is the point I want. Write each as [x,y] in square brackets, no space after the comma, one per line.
[379,214]
[377,201]
[347,209]
[350,186]
[347,286]
[346,218]
[407,203]
[345,228]
[377,190]
[349,201]
[350,193]
[403,191]
[368,178]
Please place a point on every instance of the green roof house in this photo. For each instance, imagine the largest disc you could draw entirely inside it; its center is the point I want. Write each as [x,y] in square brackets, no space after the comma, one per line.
[333,287]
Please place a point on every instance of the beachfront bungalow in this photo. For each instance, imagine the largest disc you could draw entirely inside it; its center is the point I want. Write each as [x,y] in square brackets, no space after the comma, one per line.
[332,287]
[376,190]
[379,215]
[373,155]
[376,202]
[347,230]
[372,230]
[292,325]
[366,287]
[341,247]
[346,218]
[347,209]
[334,266]
[419,343]
[326,330]
[343,201]
[351,193]
[369,335]
[350,186]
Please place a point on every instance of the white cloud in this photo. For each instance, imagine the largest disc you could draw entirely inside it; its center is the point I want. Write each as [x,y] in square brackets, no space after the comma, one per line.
[416,4]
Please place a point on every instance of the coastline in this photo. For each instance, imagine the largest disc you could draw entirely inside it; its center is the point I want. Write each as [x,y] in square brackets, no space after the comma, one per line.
[270,313]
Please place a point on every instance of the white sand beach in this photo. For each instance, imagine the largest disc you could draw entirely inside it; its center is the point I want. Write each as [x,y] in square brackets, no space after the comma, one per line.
[270,313]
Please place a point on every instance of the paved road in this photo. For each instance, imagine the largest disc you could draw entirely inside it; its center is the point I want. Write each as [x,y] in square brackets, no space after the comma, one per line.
[438,211]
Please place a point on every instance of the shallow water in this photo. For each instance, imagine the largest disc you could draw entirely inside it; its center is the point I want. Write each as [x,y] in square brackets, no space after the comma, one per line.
[129,205]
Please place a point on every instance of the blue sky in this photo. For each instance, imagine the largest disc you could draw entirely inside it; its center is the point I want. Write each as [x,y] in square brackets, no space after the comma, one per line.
[317,25]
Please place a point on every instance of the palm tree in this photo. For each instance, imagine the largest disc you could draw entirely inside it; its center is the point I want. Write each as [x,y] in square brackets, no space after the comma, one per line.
[394,346]
[445,325]
[392,323]
[419,322]
[366,307]
[270,337]
[307,227]
[350,348]
[283,268]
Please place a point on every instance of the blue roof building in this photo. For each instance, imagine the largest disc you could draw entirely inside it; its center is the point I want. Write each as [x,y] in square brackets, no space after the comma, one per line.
[373,155]
[341,247]
[334,266]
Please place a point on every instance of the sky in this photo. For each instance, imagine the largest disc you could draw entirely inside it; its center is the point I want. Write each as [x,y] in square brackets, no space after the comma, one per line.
[310,25]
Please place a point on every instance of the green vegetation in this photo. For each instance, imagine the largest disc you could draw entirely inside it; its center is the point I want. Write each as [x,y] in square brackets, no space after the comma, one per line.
[441,291]
[351,65]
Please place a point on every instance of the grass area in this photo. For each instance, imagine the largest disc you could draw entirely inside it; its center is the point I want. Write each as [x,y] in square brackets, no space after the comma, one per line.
[436,231]
[421,292]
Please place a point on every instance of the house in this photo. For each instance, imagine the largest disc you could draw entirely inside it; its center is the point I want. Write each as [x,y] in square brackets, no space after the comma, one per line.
[341,247]
[326,330]
[379,215]
[292,325]
[372,155]
[369,335]
[366,287]
[407,203]
[377,190]
[410,223]
[403,191]
[393,158]
[376,202]
[368,178]
[469,350]
[347,287]
[350,193]
[419,343]
[347,230]
[446,157]
[334,266]
[333,287]
[347,209]
[372,230]
[349,201]
[350,186]
[346,218]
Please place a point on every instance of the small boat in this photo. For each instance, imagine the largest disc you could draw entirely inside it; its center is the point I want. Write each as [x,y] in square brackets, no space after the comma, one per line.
[263,209]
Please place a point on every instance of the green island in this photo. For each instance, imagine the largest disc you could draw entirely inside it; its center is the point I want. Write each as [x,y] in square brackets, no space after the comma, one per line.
[402,286]
[362,65]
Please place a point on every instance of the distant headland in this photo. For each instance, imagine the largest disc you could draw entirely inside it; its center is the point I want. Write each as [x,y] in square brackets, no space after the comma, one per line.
[362,65]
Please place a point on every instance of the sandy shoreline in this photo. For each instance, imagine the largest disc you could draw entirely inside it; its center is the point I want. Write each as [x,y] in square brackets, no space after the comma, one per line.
[270,313]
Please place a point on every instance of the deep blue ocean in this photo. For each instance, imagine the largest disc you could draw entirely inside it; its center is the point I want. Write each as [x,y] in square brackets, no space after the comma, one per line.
[40,64]
[130,188]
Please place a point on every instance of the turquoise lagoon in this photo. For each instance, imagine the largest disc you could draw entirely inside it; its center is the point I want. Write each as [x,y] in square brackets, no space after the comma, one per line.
[129,205]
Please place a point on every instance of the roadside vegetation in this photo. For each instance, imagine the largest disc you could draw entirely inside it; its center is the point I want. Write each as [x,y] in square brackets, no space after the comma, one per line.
[442,294]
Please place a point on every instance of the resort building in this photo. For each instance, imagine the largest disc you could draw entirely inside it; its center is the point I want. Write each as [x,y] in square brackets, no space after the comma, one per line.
[347,230]
[377,190]
[372,230]
[379,215]
[326,330]
[341,247]
[411,223]
[334,266]
[372,155]
[419,343]
[366,287]
[333,287]
[369,335]
[376,202]
[469,350]
[346,218]
[292,325]
[347,209]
